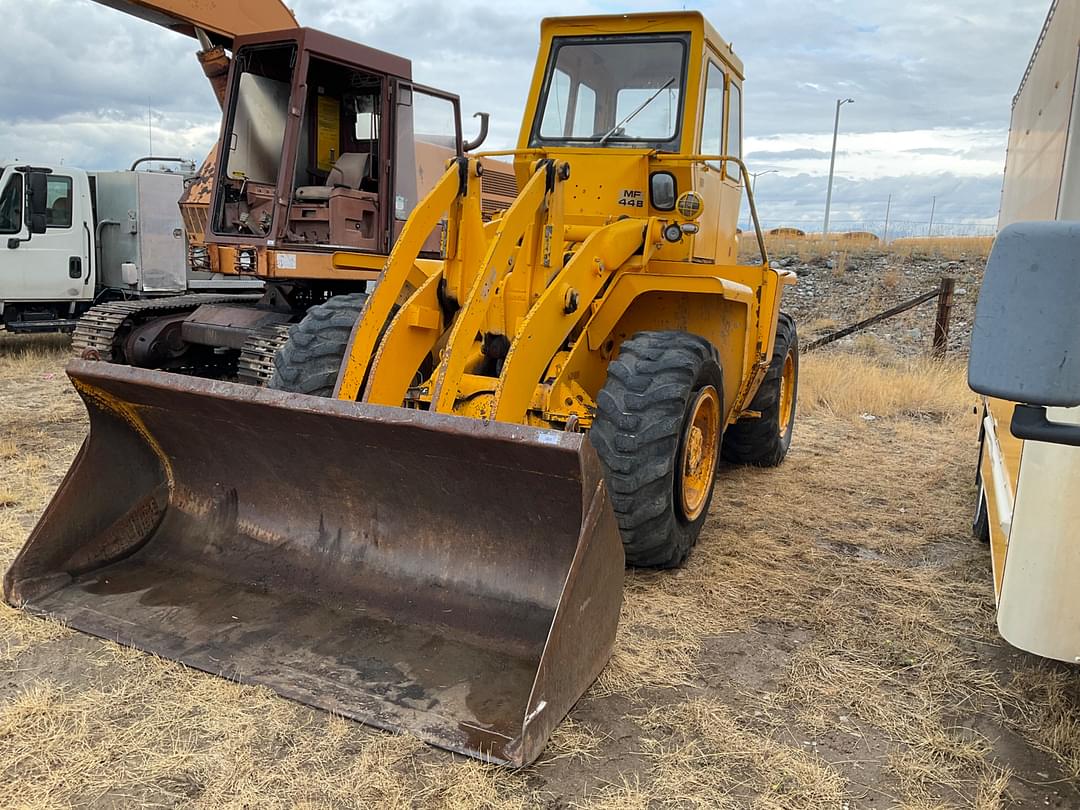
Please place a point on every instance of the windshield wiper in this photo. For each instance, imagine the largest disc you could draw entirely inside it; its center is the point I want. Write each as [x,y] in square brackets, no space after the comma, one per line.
[644,104]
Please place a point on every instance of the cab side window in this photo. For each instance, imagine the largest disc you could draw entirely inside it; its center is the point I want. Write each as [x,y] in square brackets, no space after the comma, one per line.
[712,120]
[11,205]
[58,202]
[734,128]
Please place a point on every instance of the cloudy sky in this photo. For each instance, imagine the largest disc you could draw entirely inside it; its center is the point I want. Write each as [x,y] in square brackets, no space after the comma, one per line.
[932,79]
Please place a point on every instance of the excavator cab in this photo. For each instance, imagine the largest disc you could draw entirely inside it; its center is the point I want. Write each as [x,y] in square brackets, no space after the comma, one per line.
[326,143]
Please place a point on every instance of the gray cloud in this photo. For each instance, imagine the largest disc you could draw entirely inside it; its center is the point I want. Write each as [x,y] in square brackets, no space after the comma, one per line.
[790,154]
[80,89]
[800,200]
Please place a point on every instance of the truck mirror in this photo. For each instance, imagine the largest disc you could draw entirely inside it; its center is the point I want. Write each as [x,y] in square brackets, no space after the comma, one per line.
[37,194]
[1025,344]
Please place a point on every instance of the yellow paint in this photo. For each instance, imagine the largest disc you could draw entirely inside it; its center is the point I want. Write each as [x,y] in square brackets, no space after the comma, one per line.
[328,132]
[519,321]
[398,269]
[697,465]
[1011,453]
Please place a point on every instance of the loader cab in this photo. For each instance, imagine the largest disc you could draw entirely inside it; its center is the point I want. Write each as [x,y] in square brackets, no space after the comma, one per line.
[642,106]
[326,144]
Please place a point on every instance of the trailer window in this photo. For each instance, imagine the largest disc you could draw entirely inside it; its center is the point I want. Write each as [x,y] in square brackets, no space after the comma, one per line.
[58,202]
[11,200]
[613,91]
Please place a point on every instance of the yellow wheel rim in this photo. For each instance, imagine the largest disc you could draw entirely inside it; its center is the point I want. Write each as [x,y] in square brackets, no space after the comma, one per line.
[787,392]
[701,442]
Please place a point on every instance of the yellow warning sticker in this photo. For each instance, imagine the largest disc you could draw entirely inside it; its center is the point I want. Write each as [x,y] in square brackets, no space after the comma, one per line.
[329,132]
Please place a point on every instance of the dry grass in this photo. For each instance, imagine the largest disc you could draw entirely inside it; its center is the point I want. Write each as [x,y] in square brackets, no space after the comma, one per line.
[948,247]
[813,246]
[20,354]
[829,644]
[710,757]
[859,386]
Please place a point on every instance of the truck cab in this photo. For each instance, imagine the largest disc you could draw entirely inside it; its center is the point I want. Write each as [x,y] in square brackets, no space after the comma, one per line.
[47,268]
[73,238]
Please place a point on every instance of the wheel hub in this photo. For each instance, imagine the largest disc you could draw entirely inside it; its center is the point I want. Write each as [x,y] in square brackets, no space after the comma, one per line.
[701,442]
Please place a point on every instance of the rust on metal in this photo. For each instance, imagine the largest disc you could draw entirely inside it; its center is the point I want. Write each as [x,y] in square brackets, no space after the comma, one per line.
[437,575]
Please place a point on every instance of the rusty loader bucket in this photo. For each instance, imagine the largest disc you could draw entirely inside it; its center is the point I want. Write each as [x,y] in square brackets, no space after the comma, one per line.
[442,576]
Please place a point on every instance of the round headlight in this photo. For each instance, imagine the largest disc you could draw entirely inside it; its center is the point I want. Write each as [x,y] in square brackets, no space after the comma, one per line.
[690,205]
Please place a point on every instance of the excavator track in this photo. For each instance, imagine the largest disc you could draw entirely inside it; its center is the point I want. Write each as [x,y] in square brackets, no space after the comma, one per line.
[100,331]
[256,364]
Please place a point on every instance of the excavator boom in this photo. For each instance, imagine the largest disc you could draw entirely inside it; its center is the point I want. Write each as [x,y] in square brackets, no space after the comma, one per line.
[222,20]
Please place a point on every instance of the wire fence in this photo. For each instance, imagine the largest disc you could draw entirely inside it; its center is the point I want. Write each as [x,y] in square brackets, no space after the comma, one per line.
[886,230]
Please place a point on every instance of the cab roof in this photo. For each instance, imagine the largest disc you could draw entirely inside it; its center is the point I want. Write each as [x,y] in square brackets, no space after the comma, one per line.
[642,23]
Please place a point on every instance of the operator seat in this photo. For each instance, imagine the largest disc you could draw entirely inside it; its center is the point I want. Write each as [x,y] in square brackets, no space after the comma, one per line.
[349,171]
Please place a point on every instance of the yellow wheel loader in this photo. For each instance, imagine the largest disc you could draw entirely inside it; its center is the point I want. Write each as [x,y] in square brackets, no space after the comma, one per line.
[437,544]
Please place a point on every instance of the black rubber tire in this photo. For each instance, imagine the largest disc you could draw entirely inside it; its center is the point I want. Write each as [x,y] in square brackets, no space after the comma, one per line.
[311,358]
[758,441]
[980,523]
[638,430]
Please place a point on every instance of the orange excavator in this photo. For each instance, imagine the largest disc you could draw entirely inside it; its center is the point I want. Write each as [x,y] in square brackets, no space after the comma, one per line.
[362,144]
[215,24]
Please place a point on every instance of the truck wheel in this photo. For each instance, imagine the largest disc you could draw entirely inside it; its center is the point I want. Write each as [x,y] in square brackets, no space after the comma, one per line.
[763,441]
[657,431]
[311,358]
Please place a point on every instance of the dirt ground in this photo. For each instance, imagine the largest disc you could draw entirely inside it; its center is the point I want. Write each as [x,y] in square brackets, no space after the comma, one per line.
[831,644]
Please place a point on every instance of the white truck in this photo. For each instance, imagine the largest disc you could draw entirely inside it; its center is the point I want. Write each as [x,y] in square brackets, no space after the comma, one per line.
[72,238]
[1025,357]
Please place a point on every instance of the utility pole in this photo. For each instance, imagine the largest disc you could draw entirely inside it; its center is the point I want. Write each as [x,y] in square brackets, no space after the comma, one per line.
[888,207]
[933,205]
[832,161]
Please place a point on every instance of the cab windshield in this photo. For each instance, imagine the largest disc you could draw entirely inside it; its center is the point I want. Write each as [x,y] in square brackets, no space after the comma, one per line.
[613,91]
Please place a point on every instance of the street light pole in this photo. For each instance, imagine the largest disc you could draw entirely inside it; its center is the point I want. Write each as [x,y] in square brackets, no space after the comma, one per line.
[832,161]
[753,190]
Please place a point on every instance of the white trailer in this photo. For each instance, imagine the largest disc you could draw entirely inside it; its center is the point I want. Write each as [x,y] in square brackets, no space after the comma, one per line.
[1025,357]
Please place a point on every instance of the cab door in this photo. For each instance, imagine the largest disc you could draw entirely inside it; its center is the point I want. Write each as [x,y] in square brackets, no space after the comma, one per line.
[11,228]
[727,245]
[427,133]
[709,175]
[55,265]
